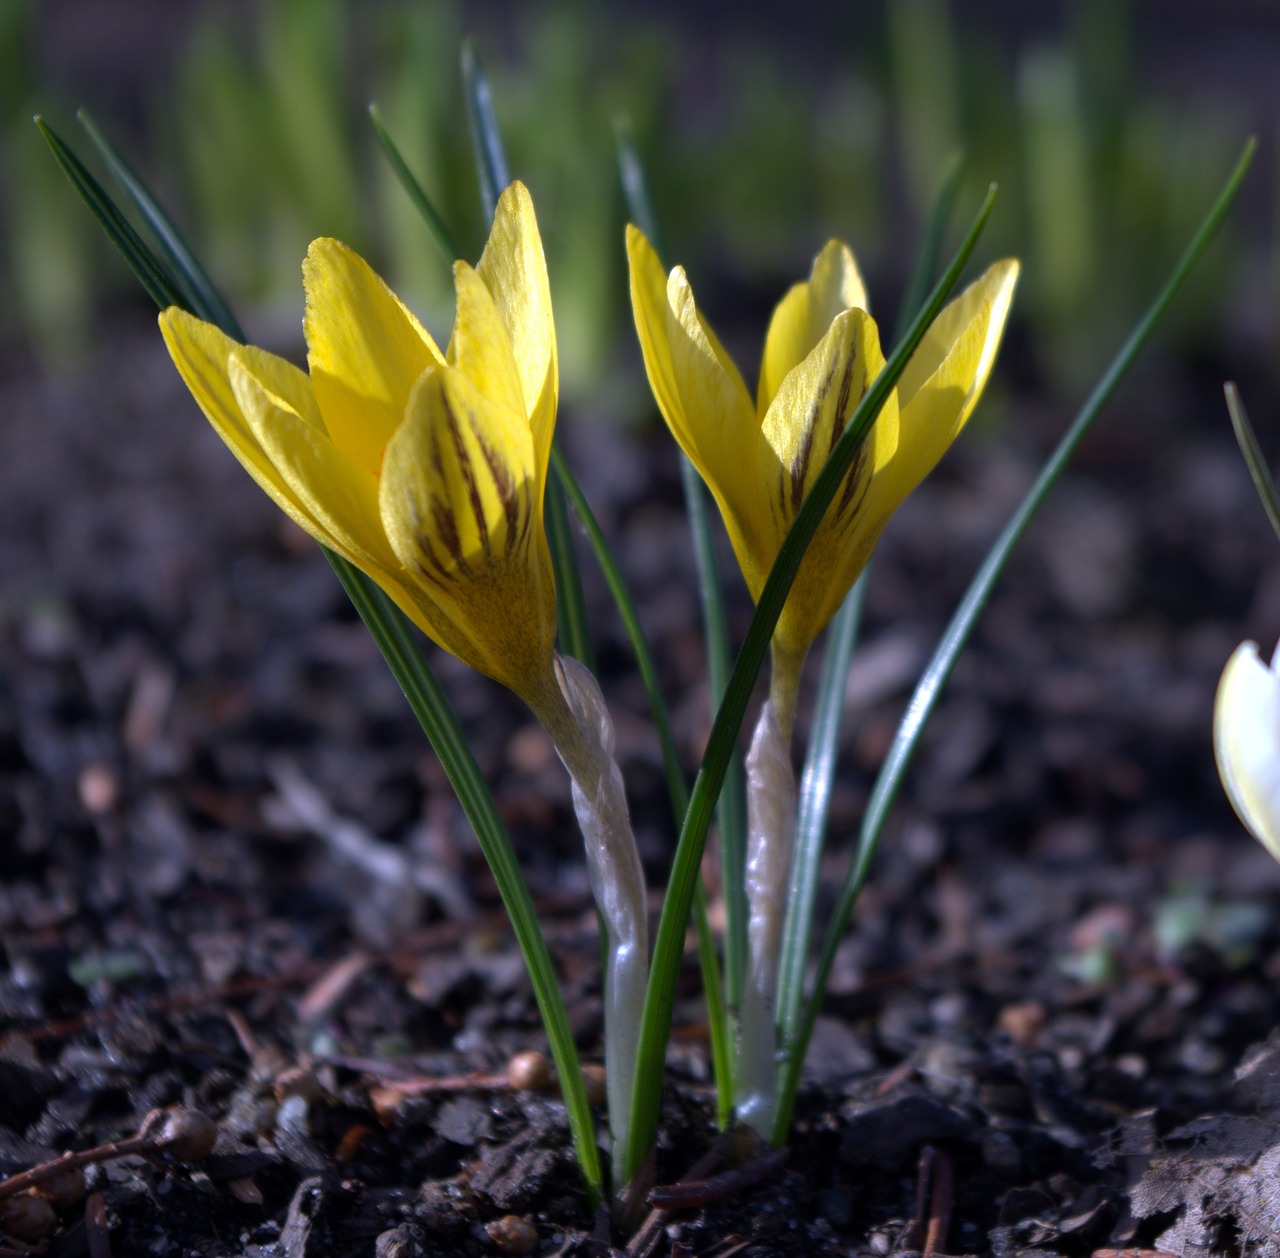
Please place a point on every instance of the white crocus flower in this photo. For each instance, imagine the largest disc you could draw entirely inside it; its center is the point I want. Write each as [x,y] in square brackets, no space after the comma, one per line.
[1246,741]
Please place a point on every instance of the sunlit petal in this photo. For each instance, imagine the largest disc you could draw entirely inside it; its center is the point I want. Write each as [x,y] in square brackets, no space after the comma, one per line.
[993,289]
[805,313]
[1246,742]
[698,389]
[202,355]
[337,494]
[365,350]
[480,346]
[514,270]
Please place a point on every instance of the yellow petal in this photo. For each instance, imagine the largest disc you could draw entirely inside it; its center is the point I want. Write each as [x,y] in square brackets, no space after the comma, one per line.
[1246,742]
[480,346]
[514,270]
[339,496]
[459,487]
[994,287]
[203,356]
[461,506]
[805,313]
[814,403]
[934,408]
[365,350]
[810,411]
[698,389]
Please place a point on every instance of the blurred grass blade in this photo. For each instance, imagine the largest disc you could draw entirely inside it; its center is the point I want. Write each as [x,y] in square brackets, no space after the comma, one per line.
[931,243]
[404,655]
[202,295]
[635,187]
[731,808]
[422,203]
[486,138]
[677,790]
[824,735]
[152,275]
[493,175]
[669,946]
[954,639]
[1254,459]
[814,804]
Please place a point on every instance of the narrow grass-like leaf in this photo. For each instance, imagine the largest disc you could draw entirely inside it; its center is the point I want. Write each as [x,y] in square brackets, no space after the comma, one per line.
[669,946]
[824,734]
[814,804]
[1254,459]
[404,655]
[203,297]
[731,806]
[160,286]
[408,181]
[486,138]
[402,652]
[956,635]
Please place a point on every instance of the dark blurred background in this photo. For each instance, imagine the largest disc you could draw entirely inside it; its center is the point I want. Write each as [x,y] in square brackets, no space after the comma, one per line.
[1108,125]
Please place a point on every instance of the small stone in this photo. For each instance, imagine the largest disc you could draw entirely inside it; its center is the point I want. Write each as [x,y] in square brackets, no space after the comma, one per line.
[400,1242]
[513,1234]
[28,1218]
[1022,1021]
[184,1134]
[531,1072]
[98,788]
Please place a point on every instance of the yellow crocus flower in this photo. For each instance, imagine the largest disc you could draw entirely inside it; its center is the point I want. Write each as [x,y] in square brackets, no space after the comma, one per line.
[821,354]
[1246,741]
[426,470]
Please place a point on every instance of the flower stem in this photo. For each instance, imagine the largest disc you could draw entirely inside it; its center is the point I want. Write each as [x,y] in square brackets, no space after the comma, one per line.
[771,828]
[573,712]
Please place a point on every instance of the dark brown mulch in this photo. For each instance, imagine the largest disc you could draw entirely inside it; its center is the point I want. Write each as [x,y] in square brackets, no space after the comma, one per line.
[234,878]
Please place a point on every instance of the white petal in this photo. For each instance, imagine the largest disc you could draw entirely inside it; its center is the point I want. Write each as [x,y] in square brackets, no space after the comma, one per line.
[1246,742]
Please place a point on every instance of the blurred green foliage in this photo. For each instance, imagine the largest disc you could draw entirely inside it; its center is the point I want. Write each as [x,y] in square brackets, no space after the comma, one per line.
[756,157]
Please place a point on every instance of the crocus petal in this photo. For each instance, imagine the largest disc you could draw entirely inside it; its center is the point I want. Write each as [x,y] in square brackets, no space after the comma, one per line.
[203,355]
[805,313]
[460,503]
[934,408]
[480,347]
[994,288]
[698,389]
[365,350]
[339,496]
[812,409]
[458,483]
[816,400]
[1246,742]
[514,270]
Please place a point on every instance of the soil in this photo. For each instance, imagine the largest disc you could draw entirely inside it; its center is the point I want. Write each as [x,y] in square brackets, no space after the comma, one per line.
[235,879]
